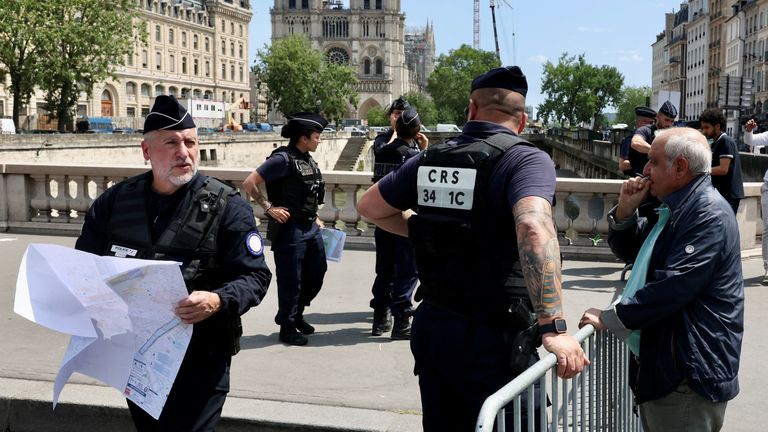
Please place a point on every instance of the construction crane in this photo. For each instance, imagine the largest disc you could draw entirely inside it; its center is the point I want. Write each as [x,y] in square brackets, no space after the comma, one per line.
[476,39]
[495,32]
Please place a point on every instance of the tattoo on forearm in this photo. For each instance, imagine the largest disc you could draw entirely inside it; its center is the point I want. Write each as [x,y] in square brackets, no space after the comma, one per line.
[539,258]
[260,199]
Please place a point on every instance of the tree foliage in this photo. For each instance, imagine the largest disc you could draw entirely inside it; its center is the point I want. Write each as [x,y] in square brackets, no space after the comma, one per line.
[630,98]
[424,106]
[83,41]
[577,91]
[301,78]
[377,116]
[21,25]
[451,81]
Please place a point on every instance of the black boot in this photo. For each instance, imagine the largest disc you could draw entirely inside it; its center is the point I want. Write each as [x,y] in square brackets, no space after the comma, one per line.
[303,326]
[382,321]
[290,336]
[402,328]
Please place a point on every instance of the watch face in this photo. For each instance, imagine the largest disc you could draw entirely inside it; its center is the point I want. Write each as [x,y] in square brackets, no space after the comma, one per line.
[560,326]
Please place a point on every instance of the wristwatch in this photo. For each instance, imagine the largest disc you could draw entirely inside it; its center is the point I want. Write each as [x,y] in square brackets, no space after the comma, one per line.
[556,326]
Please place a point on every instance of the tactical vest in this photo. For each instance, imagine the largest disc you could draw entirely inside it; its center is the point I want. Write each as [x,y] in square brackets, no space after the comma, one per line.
[302,191]
[637,159]
[466,245]
[190,238]
[389,158]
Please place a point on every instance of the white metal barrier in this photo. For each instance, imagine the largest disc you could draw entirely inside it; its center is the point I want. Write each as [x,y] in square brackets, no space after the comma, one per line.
[598,399]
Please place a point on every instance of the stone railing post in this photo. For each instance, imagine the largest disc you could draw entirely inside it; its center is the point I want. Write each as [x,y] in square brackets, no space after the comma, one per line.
[40,203]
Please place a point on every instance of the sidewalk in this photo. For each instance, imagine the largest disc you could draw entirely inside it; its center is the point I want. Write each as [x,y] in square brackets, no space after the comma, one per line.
[344,380]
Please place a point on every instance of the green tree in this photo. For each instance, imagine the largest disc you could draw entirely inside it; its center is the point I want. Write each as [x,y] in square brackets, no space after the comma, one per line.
[83,42]
[22,23]
[451,81]
[577,91]
[377,117]
[301,78]
[424,106]
[630,98]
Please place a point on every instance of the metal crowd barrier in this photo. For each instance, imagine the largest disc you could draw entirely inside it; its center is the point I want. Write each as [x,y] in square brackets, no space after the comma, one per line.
[598,399]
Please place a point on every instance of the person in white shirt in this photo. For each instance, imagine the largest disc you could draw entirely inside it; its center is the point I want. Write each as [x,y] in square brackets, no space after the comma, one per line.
[756,141]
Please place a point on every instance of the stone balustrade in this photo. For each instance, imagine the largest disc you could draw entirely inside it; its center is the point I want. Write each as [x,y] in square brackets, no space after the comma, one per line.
[52,199]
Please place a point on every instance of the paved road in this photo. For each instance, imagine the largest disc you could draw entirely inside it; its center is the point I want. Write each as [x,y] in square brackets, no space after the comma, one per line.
[344,379]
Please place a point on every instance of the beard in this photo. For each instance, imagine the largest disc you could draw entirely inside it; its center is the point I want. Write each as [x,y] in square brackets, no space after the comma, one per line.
[181,180]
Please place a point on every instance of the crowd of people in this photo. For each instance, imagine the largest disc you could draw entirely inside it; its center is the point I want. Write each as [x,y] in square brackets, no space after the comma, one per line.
[470,221]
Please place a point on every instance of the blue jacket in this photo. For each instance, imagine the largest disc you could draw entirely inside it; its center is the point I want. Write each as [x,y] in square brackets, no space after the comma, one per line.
[691,309]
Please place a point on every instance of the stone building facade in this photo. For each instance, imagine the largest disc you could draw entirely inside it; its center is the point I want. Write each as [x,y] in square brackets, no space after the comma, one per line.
[196,50]
[370,36]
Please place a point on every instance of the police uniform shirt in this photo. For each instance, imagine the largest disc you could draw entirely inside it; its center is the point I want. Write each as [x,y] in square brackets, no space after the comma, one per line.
[381,140]
[637,159]
[240,257]
[522,171]
[277,166]
[730,185]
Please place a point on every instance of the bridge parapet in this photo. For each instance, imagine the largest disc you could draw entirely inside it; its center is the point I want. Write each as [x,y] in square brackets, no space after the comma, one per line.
[52,199]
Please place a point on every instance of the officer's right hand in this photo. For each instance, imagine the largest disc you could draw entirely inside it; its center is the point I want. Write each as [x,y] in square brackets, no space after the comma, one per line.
[571,359]
[280,214]
[634,191]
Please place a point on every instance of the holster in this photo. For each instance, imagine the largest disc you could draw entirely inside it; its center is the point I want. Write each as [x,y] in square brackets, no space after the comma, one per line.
[273,228]
[522,333]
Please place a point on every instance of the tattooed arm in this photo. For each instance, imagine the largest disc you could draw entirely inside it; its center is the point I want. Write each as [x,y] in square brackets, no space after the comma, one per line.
[254,186]
[540,260]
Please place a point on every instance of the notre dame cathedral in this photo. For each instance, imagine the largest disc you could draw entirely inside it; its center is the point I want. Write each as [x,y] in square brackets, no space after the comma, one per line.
[369,35]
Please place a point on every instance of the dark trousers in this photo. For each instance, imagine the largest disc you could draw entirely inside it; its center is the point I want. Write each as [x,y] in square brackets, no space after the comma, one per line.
[734,203]
[460,363]
[196,398]
[299,266]
[396,275]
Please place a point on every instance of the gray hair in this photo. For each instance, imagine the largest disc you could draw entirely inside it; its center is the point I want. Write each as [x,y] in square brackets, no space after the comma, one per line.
[691,145]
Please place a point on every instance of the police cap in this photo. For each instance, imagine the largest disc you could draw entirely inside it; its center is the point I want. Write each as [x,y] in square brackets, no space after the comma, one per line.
[409,118]
[507,77]
[167,114]
[642,111]
[303,122]
[668,109]
[399,104]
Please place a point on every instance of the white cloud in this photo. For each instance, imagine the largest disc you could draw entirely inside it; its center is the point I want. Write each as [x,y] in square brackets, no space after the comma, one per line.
[631,58]
[626,55]
[590,29]
[538,58]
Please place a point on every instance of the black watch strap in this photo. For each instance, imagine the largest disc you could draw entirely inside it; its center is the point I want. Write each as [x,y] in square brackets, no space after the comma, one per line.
[557,325]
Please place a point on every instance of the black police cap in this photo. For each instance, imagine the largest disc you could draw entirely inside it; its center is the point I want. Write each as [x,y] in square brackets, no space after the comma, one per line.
[507,77]
[167,114]
[668,109]
[642,111]
[409,118]
[399,104]
[303,122]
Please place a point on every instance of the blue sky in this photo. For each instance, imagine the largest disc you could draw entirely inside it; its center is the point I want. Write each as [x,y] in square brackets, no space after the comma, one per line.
[617,33]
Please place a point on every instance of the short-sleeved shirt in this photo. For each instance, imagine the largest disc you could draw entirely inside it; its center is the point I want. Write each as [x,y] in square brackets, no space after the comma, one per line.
[637,159]
[731,185]
[276,167]
[522,171]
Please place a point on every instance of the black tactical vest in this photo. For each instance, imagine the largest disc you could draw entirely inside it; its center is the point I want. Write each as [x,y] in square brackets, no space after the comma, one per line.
[389,158]
[466,245]
[302,191]
[189,238]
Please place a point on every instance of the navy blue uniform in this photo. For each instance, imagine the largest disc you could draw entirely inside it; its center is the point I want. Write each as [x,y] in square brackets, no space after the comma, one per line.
[202,383]
[300,262]
[462,358]
[731,185]
[396,274]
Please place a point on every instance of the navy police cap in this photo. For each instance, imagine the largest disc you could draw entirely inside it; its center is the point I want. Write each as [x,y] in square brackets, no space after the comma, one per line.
[399,104]
[642,111]
[167,114]
[409,118]
[507,77]
[302,122]
[668,109]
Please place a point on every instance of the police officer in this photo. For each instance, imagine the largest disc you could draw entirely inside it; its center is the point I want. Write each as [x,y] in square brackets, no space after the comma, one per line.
[643,137]
[643,116]
[172,212]
[395,265]
[295,189]
[486,251]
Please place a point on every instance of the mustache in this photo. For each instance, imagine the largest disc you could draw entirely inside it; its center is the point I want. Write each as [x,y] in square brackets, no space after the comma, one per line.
[180,162]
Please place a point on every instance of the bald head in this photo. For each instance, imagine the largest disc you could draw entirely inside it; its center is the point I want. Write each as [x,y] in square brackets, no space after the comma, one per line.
[498,105]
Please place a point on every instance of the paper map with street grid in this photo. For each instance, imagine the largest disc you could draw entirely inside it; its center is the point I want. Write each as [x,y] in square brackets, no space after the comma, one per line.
[119,312]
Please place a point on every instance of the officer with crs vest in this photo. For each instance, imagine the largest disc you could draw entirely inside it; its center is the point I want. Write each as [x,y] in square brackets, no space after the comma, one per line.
[395,264]
[487,255]
[175,213]
[295,189]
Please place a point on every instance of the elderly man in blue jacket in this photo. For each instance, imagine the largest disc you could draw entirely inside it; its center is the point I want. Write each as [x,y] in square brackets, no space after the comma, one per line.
[689,309]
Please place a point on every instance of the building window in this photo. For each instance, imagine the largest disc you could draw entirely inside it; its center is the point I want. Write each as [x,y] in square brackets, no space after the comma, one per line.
[144,59]
[379,67]
[170,36]
[367,67]
[130,111]
[129,59]
[183,39]
[158,60]
[130,88]
[196,67]
[232,72]
[223,47]
[338,55]
[367,4]
[241,30]
[172,63]
[241,50]
[207,45]
[291,4]
[232,28]
[183,65]
[232,49]
[378,4]
[158,34]
[195,43]
[223,25]
[241,74]
[207,69]
[305,4]
[223,71]
[145,90]
[159,90]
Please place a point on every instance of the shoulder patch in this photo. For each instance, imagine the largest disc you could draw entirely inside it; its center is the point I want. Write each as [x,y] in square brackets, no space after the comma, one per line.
[254,243]
[689,249]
